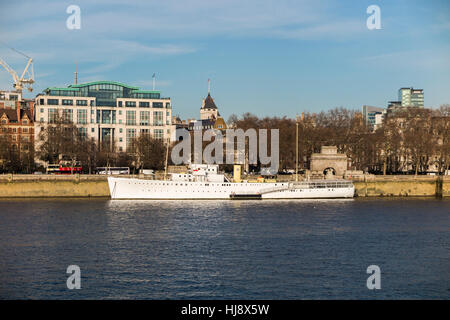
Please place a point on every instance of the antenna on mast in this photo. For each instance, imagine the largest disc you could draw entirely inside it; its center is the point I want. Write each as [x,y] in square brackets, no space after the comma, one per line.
[154,79]
[76,74]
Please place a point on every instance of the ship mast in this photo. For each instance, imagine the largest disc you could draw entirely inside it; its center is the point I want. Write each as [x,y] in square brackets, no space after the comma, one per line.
[296,148]
[167,158]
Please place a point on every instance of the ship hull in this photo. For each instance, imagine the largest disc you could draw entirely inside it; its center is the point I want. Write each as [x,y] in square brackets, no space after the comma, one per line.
[131,188]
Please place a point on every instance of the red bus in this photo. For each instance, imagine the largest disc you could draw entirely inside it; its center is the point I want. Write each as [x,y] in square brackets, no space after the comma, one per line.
[63,169]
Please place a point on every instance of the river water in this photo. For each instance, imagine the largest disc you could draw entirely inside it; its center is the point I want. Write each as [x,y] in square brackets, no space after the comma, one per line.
[315,249]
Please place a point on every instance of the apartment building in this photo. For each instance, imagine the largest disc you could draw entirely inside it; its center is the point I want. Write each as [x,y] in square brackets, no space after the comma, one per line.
[110,112]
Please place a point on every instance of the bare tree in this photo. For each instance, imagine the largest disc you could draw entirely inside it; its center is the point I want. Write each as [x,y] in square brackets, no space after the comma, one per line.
[148,152]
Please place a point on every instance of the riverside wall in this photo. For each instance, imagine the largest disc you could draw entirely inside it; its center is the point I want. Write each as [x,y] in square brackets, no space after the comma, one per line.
[402,186]
[49,186]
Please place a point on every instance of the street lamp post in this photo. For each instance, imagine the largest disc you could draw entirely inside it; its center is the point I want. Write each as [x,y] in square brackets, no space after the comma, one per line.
[296,149]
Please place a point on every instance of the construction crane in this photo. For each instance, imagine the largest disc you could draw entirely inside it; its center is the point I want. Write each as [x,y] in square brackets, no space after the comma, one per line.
[27,77]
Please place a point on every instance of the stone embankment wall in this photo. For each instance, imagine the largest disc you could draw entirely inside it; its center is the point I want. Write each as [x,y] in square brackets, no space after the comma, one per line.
[402,186]
[48,186]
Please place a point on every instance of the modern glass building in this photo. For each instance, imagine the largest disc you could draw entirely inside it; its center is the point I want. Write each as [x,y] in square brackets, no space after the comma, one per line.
[411,97]
[111,112]
[373,116]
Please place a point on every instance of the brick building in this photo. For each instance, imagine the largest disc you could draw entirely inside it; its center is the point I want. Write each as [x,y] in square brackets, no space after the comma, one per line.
[16,129]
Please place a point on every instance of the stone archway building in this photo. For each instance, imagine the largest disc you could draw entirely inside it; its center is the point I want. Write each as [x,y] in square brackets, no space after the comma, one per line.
[329,158]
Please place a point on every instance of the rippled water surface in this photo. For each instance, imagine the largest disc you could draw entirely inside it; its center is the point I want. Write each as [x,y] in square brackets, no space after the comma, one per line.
[225,249]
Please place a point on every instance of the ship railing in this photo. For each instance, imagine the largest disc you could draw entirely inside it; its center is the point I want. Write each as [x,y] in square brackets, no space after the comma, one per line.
[275,189]
[322,184]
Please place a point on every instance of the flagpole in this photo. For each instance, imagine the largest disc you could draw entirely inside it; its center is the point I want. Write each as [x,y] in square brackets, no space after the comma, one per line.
[154,77]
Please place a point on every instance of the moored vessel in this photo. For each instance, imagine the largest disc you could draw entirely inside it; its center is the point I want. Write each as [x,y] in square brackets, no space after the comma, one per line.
[205,182]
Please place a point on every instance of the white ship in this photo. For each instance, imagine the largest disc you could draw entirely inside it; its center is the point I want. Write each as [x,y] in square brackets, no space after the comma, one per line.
[205,182]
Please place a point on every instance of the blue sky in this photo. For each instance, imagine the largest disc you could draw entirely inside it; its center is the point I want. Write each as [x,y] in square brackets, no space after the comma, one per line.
[265,57]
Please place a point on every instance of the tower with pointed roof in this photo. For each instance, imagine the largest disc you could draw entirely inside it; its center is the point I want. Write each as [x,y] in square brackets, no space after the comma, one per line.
[209,109]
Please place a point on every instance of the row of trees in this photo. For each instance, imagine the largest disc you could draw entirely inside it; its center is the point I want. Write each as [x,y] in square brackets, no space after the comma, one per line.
[63,141]
[409,140]
[416,140]
[16,157]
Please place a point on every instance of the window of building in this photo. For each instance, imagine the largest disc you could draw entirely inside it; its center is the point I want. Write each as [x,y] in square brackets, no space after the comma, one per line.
[82,103]
[168,105]
[106,116]
[81,116]
[158,133]
[82,132]
[53,102]
[144,118]
[41,101]
[42,110]
[67,102]
[131,117]
[52,115]
[68,115]
[131,134]
[157,118]
[143,104]
[92,129]
[120,104]
[25,130]
[158,105]
[130,104]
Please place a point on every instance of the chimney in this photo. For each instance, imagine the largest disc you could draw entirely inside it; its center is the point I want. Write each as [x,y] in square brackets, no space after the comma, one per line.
[31,107]
[18,108]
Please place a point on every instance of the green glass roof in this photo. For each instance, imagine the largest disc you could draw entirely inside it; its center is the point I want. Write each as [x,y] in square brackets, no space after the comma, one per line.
[64,89]
[146,91]
[102,82]
[76,87]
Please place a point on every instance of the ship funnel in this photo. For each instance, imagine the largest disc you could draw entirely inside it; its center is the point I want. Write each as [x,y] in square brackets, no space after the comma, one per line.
[237,173]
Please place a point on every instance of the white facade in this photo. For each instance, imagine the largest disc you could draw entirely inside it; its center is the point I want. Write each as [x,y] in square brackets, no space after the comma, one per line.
[127,118]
